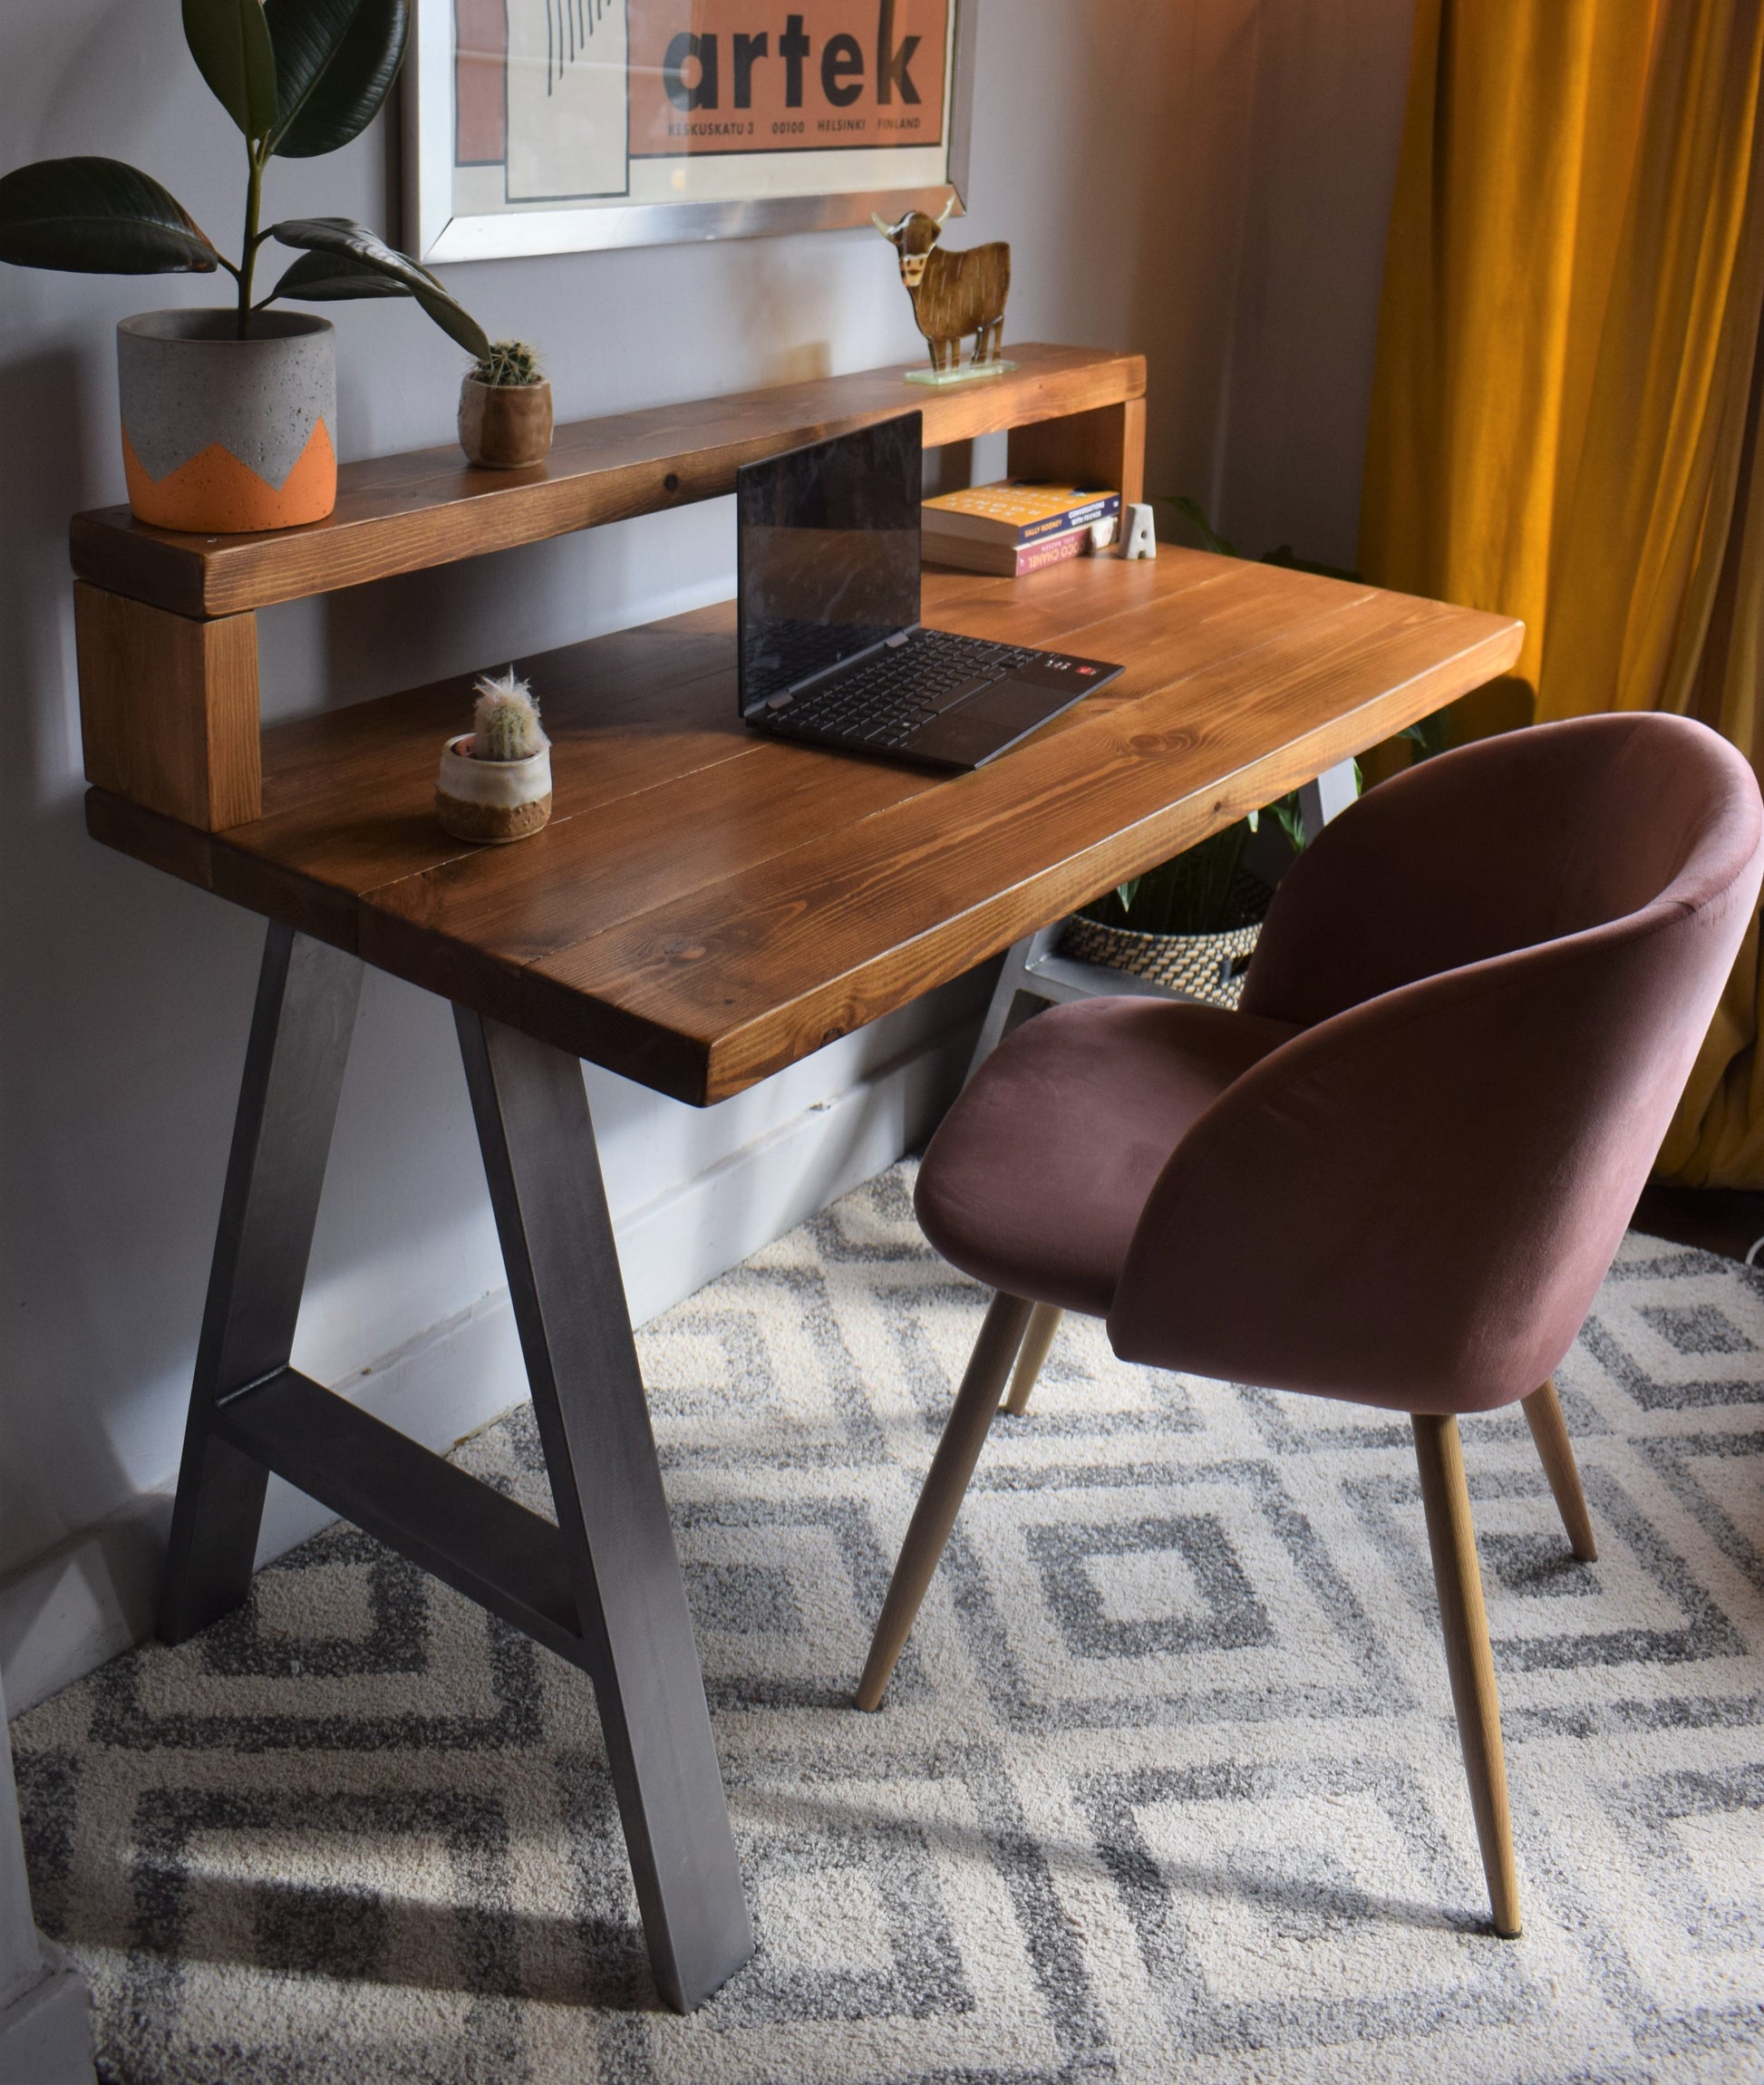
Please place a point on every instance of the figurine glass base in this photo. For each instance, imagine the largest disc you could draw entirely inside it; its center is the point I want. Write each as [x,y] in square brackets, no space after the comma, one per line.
[964,372]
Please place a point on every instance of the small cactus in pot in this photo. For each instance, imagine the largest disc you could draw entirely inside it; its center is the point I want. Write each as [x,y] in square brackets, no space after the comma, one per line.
[495,782]
[505,408]
[507,362]
[505,719]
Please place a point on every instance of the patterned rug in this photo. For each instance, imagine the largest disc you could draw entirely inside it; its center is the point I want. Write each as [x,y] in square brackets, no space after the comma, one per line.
[1168,1787]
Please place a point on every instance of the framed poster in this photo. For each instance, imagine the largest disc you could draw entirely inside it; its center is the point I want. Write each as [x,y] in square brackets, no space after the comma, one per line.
[552,126]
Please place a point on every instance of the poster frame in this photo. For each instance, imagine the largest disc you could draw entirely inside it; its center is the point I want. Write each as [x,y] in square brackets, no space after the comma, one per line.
[434,234]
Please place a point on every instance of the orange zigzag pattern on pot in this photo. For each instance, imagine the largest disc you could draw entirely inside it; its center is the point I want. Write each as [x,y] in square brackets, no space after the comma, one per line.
[215,493]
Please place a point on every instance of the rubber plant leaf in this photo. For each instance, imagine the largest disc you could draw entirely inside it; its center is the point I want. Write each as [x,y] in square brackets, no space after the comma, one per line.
[229,41]
[98,216]
[335,60]
[326,277]
[356,242]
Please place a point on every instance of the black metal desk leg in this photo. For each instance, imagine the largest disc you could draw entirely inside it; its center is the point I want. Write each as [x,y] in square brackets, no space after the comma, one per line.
[545,1182]
[307,995]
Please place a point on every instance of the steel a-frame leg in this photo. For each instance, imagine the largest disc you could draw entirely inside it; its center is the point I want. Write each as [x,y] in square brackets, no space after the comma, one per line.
[602,1587]
[307,998]
[588,1398]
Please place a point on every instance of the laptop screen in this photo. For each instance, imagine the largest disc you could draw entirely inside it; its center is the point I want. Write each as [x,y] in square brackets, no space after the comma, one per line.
[828,553]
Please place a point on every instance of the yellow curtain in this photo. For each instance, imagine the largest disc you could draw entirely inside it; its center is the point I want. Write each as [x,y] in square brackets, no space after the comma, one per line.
[1565,401]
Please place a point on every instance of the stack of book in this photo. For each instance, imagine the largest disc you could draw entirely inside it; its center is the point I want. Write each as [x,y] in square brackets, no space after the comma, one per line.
[1013,527]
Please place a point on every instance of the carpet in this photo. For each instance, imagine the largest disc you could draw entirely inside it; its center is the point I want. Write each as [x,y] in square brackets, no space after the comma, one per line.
[1167,1788]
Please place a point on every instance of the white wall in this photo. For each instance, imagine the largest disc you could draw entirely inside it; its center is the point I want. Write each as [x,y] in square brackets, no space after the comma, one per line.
[1206,179]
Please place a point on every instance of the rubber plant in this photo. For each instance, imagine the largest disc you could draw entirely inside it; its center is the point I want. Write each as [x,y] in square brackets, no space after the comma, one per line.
[299,78]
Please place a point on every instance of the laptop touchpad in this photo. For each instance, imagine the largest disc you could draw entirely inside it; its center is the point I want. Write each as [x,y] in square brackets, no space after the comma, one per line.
[997,717]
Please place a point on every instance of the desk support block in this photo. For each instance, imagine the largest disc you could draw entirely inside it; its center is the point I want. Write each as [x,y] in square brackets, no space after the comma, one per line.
[169,708]
[1106,446]
[544,1173]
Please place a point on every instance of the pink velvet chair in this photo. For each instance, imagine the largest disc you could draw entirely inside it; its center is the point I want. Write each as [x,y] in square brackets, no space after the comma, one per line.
[1397,1174]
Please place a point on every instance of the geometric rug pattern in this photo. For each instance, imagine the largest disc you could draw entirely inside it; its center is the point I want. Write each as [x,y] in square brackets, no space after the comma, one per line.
[1166,1787]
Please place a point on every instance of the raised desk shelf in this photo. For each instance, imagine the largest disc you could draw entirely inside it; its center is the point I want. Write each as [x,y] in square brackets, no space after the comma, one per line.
[406,513]
[167,624]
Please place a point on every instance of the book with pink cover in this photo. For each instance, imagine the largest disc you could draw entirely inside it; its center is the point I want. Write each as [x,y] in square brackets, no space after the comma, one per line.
[1001,559]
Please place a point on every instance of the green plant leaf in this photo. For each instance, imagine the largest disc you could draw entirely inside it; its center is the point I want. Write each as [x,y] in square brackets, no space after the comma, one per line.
[98,216]
[229,41]
[335,60]
[1195,515]
[340,235]
[1285,556]
[327,278]
[1428,736]
[1290,821]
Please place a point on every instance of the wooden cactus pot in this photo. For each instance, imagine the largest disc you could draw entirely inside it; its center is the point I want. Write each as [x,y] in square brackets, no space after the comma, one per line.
[491,801]
[222,436]
[503,426]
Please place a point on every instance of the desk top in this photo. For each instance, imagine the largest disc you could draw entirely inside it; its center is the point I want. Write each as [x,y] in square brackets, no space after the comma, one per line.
[707,905]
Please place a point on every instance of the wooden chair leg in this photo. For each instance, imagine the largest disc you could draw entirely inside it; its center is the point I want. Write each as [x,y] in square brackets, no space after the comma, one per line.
[1043,1323]
[1542,1411]
[1447,1502]
[951,1468]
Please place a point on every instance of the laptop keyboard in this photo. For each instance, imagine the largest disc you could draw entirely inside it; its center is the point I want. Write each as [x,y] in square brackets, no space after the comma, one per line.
[891,697]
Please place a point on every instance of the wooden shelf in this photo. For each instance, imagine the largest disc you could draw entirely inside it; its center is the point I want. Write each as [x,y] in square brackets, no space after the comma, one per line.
[406,513]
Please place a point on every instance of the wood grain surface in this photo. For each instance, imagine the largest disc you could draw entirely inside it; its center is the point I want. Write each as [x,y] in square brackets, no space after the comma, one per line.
[707,905]
[406,513]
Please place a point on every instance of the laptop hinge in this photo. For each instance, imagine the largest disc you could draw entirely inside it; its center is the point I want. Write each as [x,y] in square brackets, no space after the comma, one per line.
[801,687]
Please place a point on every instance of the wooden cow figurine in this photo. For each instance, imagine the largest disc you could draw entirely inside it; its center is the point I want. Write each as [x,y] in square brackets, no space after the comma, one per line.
[953,295]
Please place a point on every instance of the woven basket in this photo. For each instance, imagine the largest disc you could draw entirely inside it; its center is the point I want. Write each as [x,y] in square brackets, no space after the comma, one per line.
[1209,967]
[1204,967]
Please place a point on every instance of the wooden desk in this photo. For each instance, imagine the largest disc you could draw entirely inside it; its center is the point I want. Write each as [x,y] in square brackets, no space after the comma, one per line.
[707,907]
[704,908]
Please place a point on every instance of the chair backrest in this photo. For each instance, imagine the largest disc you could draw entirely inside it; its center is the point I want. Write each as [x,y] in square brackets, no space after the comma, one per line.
[1504,962]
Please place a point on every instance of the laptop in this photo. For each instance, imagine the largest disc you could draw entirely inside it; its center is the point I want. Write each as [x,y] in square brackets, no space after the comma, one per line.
[832,650]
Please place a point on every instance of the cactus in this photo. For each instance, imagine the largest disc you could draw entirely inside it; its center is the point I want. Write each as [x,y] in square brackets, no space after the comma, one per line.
[509,362]
[505,723]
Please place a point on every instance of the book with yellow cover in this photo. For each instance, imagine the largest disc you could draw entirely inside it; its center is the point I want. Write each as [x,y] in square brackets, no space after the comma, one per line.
[1015,512]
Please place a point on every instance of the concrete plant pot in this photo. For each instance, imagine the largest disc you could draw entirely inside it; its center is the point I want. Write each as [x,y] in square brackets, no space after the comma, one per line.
[491,801]
[503,426]
[221,435]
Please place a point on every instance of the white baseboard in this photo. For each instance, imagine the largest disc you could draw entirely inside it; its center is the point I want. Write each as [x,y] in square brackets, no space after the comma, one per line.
[69,1611]
[45,2032]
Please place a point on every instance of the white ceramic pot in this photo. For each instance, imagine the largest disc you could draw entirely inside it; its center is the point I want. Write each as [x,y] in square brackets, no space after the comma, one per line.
[222,436]
[491,801]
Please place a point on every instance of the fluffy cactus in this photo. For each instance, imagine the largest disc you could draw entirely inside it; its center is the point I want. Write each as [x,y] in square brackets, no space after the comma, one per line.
[507,362]
[505,722]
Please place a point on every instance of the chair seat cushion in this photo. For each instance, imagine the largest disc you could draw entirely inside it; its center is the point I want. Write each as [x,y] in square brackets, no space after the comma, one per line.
[1036,1178]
